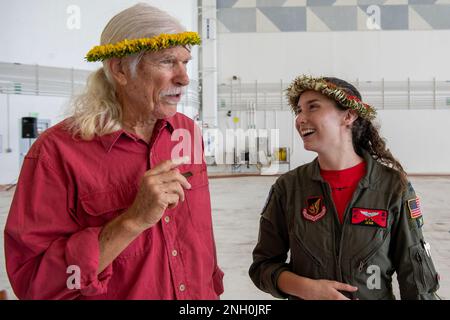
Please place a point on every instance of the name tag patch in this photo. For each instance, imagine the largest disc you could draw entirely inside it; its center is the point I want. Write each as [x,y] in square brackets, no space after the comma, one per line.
[369,217]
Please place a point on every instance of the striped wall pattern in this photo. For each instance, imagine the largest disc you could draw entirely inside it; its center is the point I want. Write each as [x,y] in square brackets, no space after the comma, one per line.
[331,15]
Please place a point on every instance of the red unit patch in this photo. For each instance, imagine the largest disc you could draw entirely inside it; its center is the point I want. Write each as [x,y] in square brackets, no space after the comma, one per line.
[315,209]
[369,217]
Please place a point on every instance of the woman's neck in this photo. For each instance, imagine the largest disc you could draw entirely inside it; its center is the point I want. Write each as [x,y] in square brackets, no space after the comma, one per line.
[339,159]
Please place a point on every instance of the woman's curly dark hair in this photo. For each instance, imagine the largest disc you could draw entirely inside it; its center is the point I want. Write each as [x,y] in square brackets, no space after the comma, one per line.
[365,136]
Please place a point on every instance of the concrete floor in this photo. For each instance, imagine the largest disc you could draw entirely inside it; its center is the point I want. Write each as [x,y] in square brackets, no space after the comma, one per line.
[237,203]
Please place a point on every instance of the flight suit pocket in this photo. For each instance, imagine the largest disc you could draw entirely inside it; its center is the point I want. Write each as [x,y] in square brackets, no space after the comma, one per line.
[310,265]
[425,275]
[198,201]
[369,269]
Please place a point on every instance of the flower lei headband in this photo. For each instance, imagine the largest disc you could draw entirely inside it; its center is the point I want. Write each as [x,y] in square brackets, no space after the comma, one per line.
[303,83]
[128,47]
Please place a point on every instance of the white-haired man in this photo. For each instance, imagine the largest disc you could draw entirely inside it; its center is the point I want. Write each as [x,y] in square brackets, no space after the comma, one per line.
[103,210]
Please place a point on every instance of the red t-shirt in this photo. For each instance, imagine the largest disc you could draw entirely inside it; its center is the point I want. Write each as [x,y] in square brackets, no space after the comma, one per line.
[343,184]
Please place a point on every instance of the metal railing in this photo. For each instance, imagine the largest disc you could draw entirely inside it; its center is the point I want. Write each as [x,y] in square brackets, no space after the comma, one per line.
[25,79]
[65,82]
[383,95]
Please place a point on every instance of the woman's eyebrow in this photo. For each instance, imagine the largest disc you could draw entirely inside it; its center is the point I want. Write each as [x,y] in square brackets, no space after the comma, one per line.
[308,102]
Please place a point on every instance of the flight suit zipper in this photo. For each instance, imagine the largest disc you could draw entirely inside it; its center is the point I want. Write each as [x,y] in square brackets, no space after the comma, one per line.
[422,275]
[363,263]
[344,219]
[327,193]
[356,194]
[308,253]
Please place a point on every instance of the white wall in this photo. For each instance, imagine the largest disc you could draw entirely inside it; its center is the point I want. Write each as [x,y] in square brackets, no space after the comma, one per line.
[417,138]
[36,32]
[393,55]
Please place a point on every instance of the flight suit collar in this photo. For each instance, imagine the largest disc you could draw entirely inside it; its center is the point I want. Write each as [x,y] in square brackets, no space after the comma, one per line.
[373,171]
[370,179]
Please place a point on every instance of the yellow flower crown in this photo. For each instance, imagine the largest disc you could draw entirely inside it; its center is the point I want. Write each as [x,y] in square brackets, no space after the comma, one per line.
[128,47]
[340,95]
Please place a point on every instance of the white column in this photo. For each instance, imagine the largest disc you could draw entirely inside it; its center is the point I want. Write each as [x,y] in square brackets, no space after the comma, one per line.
[208,62]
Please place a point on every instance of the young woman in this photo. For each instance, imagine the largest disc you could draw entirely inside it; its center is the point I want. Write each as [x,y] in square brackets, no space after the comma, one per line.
[350,218]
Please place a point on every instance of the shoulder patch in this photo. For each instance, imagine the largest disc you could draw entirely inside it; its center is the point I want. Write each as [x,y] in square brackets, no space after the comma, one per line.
[267,200]
[315,209]
[414,208]
[419,222]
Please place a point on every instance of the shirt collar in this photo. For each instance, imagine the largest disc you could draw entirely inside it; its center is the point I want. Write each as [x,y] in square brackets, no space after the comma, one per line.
[170,122]
[109,140]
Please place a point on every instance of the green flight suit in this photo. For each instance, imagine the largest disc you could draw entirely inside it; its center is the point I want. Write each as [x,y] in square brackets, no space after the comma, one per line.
[364,251]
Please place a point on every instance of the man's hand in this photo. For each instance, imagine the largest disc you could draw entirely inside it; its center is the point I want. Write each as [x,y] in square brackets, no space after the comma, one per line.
[161,188]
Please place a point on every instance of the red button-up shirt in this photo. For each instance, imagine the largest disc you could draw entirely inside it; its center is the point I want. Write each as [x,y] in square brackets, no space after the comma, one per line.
[69,189]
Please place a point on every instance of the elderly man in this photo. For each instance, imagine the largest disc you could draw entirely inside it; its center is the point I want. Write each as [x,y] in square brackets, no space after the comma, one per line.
[102,209]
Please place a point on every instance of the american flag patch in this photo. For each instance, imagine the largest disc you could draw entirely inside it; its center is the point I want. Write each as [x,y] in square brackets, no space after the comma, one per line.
[414,208]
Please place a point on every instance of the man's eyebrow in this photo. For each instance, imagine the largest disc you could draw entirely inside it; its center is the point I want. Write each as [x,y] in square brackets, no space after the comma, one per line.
[167,56]
[172,56]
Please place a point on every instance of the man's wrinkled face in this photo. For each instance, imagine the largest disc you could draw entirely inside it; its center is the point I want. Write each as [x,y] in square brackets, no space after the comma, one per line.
[160,81]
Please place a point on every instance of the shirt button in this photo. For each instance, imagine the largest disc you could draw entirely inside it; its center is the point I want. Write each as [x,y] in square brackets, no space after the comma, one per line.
[182,287]
[174,253]
[167,219]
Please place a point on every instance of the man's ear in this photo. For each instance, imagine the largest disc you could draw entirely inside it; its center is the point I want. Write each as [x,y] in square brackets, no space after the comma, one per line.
[350,117]
[118,71]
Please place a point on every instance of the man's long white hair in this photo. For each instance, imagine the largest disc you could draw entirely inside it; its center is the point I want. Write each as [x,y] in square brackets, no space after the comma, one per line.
[96,111]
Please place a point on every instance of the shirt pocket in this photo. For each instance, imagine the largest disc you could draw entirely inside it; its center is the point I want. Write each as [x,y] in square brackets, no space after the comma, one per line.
[197,198]
[100,208]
